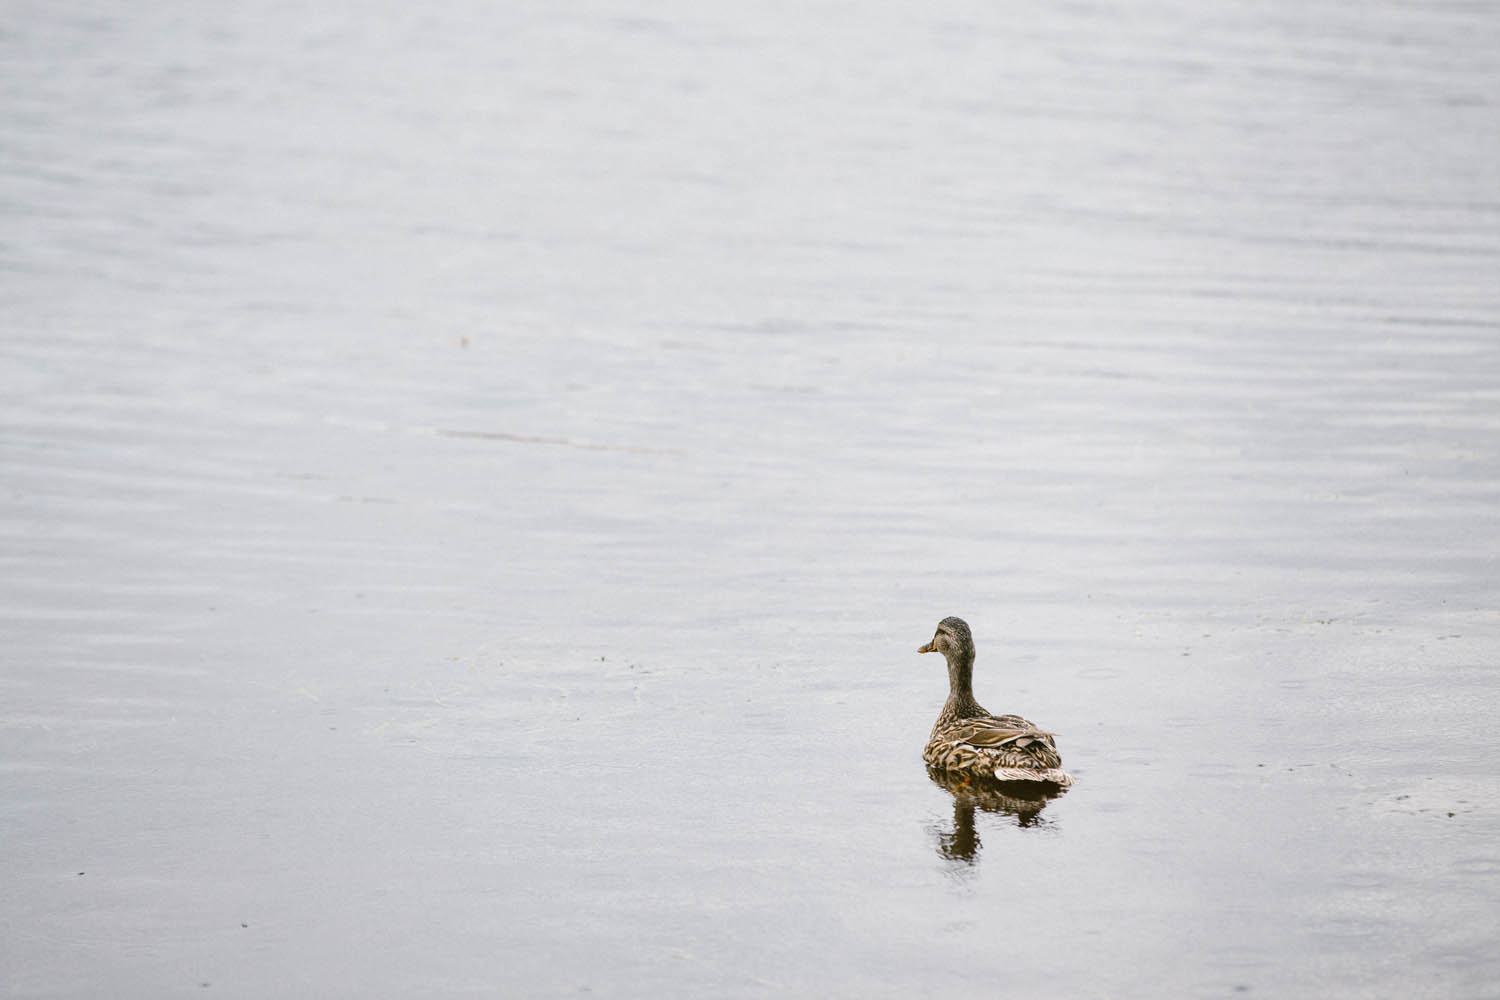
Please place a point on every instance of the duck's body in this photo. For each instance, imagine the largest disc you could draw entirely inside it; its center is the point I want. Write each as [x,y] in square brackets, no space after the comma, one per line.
[1002,748]
[968,740]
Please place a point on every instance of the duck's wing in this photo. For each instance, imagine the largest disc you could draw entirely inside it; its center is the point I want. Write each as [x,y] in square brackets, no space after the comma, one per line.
[1006,748]
[1009,731]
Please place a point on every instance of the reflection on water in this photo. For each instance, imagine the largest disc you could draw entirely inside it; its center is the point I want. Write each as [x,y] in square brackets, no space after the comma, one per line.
[1022,801]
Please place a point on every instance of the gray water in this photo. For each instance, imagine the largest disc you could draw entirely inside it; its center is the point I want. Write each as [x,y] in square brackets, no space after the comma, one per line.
[474,477]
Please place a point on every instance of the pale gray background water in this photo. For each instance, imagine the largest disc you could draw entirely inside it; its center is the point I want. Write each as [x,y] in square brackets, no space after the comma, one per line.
[474,476]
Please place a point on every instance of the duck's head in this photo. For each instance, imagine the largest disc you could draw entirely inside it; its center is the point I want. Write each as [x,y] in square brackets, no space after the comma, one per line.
[953,639]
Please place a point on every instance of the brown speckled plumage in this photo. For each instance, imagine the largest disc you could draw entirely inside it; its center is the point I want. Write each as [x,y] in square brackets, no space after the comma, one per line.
[968,740]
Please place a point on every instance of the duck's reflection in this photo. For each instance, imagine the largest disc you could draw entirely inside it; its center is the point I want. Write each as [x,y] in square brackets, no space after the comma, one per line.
[1024,801]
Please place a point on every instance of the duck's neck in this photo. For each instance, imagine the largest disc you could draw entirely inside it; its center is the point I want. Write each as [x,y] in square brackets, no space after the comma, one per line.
[960,703]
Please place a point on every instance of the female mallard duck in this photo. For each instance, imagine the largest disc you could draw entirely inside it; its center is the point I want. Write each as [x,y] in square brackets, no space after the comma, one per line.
[969,740]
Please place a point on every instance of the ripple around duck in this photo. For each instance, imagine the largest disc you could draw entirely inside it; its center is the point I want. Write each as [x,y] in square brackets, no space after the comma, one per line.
[1137,756]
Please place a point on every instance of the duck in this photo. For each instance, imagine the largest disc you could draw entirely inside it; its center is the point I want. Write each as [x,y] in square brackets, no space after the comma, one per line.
[970,742]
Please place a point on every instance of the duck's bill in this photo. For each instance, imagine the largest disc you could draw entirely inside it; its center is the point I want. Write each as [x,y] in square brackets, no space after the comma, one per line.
[927,649]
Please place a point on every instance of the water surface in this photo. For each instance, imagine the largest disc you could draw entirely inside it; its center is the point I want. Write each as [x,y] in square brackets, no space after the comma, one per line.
[473,480]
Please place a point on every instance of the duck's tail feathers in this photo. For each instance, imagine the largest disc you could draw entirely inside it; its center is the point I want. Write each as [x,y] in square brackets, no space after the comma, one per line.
[1052,775]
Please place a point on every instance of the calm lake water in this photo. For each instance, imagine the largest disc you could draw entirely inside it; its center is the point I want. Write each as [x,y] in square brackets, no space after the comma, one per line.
[474,478]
